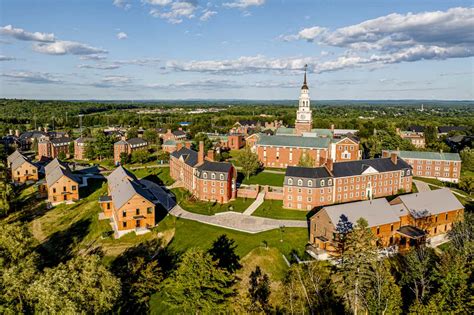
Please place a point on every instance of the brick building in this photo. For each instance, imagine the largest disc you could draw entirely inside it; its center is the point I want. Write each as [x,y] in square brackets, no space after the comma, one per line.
[306,188]
[52,147]
[21,168]
[415,136]
[172,145]
[406,221]
[80,147]
[128,146]
[442,166]
[61,184]
[130,203]
[175,135]
[202,176]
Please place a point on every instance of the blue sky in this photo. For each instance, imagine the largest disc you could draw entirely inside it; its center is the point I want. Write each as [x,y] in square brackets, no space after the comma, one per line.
[236,49]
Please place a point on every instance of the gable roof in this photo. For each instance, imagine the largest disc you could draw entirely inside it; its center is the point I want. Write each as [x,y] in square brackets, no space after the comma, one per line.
[124,185]
[56,169]
[19,161]
[415,128]
[189,156]
[430,202]
[223,167]
[424,155]
[60,141]
[307,172]
[376,212]
[136,141]
[12,157]
[351,168]
[293,141]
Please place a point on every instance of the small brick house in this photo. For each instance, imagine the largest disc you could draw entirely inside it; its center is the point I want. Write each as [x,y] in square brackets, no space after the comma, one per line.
[128,146]
[406,221]
[80,147]
[61,184]
[52,147]
[21,168]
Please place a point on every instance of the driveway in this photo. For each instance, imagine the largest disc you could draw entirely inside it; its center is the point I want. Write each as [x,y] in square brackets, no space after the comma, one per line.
[237,221]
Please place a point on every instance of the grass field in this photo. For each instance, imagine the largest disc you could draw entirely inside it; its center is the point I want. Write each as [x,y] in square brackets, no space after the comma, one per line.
[264,178]
[160,175]
[274,209]
[184,199]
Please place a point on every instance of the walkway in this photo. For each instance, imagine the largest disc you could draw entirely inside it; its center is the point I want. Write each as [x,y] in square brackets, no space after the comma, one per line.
[258,201]
[421,186]
[237,221]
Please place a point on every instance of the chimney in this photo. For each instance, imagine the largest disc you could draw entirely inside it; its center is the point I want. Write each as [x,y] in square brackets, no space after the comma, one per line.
[179,145]
[168,131]
[39,128]
[332,127]
[201,152]
[329,164]
[397,130]
[10,132]
[187,144]
[180,128]
[211,155]
[440,150]
[45,129]
[322,160]
[393,157]
[123,138]
[17,133]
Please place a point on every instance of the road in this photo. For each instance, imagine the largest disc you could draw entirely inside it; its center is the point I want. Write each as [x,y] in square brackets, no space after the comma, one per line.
[237,221]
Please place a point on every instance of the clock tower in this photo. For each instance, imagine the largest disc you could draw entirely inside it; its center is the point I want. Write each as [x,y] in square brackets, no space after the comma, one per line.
[304,119]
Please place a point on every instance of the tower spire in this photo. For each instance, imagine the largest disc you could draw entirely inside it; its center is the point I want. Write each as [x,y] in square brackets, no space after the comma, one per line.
[305,85]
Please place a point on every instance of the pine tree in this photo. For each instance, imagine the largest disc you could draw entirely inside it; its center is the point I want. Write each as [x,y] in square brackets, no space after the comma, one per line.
[223,252]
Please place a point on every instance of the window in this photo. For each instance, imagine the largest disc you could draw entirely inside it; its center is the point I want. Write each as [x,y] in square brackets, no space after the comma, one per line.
[205,189]
[446,217]
[64,188]
[435,230]
[74,187]
[310,199]
[391,227]
[290,197]
[321,199]
[54,190]
[300,182]
[137,211]
[322,182]
[108,206]
[124,224]
[221,176]
[213,176]
[124,214]
[310,183]
[204,175]
[290,181]
[222,191]
[330,182]
[149,210]
[378,230]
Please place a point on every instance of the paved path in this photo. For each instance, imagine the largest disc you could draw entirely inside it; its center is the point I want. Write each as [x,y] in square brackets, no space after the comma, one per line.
[258,201]
[237,221]
[421,186]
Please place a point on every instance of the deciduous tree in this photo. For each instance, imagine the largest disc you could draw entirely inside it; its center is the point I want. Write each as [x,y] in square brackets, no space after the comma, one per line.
[248,161]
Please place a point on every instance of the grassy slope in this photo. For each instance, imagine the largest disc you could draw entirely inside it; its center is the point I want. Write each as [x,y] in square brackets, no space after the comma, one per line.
[209,208]
[274,209]
[160,175]
[264,178]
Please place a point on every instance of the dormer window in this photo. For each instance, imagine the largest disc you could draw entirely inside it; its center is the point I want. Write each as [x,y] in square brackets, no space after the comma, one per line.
[300,182]
[310,183]
[290,181]
[221,176]
[213,176]
[330,182]
[322,183]
[204,175]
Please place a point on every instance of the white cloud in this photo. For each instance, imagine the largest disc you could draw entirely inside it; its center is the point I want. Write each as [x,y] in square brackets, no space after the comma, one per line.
[32,77]
[67,47]
[21,34]
[176,11]
[308,34]
[122,4]
[122,35]
[99,66]
[158,2]
[198,84]
[95,57]
[207,14]
[243,4]
[243,65]
[6,58]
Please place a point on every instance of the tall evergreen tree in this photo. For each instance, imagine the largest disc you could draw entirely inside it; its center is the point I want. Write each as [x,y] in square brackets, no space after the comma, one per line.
[223,252]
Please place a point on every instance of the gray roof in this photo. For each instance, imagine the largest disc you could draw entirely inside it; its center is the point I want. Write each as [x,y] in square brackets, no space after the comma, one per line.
[431,202]
[307,172]
[12,157]
[351,168]
[169,142]
[124,185]
[33,134]
[190,156]
[84,139]
[179,133]
[19,161]
[376,212]
[56,169]
[60,141]
[293,141]
[424,155]
[134,141]
[222,167]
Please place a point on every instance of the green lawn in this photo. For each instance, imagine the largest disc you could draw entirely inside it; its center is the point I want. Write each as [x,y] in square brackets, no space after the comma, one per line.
[274,209]
[264,178]
[187,202]
[160,175]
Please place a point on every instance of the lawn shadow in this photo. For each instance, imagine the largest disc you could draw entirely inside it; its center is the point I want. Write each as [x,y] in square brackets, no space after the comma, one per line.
[93,184]
[61,245]
[155,179]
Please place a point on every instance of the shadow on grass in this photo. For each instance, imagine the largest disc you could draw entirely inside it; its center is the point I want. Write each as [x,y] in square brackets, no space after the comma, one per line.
[92,186]
[61,245]
[155,179]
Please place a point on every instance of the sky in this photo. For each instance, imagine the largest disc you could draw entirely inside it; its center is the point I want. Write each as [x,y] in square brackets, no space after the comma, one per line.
[236,49]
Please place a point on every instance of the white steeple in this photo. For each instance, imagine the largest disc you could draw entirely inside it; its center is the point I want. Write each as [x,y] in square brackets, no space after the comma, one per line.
[304,114]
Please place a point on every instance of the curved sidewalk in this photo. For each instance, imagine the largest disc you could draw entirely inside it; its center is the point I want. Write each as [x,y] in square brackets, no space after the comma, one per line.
[237,221]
